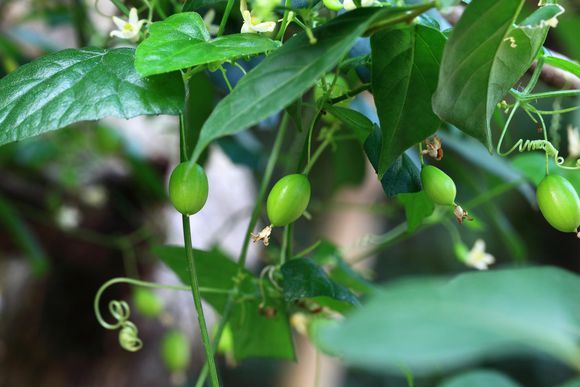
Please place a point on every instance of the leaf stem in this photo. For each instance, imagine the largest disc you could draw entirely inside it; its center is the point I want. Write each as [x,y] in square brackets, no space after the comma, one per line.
[352,93]
[251,225]
[284,24]
[197,301]
[225,17]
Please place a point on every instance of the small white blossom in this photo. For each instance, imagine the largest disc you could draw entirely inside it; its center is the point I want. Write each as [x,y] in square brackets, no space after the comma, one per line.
[68,217]
[208,21]
[349,5]
[477,257]
[573,141]
[94,195]
[252,25]
[128,29]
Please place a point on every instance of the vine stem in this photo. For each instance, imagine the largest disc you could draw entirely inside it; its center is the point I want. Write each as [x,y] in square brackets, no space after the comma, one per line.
[225,17]
[244,252]
[197,301]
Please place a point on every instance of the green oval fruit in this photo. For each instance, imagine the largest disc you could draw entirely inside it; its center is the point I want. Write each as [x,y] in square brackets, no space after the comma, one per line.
[334,5]
[288,199]
[559,203]
[175,350]
[438,186]
[188,188]
[147,302]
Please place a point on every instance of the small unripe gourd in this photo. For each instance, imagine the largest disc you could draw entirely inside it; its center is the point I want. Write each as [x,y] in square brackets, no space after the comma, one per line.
[559,203]
[175,350]
[188,188]
[147,303]
[438,186]
[288,199]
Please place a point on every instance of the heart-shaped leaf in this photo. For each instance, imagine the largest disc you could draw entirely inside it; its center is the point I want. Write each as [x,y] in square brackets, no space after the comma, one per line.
[182,41]
[405,69]
[484,57]
[77,85]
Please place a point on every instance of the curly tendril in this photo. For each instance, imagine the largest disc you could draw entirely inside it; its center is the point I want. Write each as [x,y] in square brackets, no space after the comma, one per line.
[120,310]
[532,145]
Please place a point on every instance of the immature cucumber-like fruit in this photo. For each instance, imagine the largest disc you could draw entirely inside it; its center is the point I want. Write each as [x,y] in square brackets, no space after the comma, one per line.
[175,350]
[288,199]
[334,5]
[438,187]
[147,303]
[559,203]
[188,188]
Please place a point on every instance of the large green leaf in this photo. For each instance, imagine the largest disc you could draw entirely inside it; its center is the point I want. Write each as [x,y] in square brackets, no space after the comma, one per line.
[289,71]
[479,378]
[428,325]
[76,85]
[405,69]
[182,41]
[255,335]
[484,57]
[357,122]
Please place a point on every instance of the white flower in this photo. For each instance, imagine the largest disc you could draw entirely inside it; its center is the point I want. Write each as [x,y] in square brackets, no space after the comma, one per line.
[94,195]
[477,257]
[208,21]
[128,29]
[68,217]
[349,5]
[573,141]
[252,25]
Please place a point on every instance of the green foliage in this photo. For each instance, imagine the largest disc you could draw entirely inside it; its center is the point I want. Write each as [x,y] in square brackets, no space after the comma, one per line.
[402,176]
[484,57]
[182,41]
[302,278]
[77,85]
[418,207]
[289,71]
[434,324]
[405,68]
[255,335]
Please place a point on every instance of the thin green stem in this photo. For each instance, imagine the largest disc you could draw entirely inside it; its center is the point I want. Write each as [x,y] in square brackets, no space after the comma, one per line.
[197,301]
[119,4]
[225,76]
[225,17]
[285,242]
[284,24]
[316,156]
[350,94]
[396,234]
[251,226]
[547,94]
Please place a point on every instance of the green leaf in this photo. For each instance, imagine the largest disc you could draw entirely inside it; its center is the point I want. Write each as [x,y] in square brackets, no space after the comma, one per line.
[564,64]
[479,378]
[405,69]
[429,325]
[484,57]
[418,207]
[302,278]
[182,41]
[289,71]
[76,85]
[354,120]
[402,176]
[192,5]
[328,255]
[255,335]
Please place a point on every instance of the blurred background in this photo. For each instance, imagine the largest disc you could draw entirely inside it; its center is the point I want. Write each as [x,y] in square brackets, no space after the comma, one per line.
[85,204]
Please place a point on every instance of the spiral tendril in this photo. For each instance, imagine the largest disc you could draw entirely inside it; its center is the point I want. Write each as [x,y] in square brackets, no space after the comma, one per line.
[121,312]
